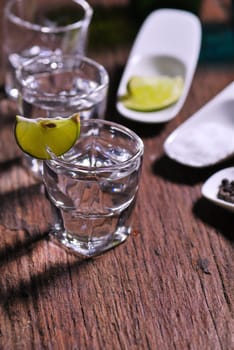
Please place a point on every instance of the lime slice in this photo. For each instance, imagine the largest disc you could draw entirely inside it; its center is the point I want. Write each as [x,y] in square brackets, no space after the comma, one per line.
[38,136]
[148,94]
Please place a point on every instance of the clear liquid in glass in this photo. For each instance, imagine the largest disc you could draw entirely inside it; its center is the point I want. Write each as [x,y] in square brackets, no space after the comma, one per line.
[94,209]
[67,92]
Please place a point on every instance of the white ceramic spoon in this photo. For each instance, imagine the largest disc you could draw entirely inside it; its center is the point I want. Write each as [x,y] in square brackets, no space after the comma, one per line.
[207,137]
[210,188]
[168,43]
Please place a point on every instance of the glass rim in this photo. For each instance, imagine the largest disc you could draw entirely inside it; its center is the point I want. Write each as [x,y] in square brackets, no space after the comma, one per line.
[88,12]
[22,68]
[93,170]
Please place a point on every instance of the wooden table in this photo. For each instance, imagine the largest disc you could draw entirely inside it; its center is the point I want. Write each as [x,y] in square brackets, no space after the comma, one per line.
[170,286]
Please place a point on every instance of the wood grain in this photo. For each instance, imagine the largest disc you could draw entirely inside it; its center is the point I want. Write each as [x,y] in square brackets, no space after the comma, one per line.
[170,286]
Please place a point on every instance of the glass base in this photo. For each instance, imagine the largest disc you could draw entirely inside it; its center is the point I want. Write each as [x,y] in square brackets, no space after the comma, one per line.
[94,247]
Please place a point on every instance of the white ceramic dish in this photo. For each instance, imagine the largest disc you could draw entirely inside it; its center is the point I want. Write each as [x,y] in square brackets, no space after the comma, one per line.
[207,137]
[168,43]
[210,188]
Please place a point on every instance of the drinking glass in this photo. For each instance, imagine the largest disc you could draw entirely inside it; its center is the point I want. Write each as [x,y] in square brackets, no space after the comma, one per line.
[40,27]
[94,186]
[61,85]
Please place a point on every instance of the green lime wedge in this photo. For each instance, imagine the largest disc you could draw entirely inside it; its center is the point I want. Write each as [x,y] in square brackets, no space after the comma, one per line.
[148,94]
[36,136]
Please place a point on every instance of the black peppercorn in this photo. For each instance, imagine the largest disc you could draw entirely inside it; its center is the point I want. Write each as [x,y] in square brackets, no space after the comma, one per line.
[226,191]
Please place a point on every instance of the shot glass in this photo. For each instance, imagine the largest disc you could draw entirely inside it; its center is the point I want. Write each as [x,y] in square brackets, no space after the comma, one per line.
[40,27]
[60,85]
[93,187]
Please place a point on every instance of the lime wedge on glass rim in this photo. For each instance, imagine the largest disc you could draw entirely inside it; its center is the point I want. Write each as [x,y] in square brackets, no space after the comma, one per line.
[40,136]
[147,94]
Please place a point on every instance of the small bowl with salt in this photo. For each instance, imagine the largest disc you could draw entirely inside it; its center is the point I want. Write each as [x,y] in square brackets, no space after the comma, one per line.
[207,137]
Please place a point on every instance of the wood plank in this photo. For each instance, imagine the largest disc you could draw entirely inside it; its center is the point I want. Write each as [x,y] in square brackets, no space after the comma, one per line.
[170,286]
